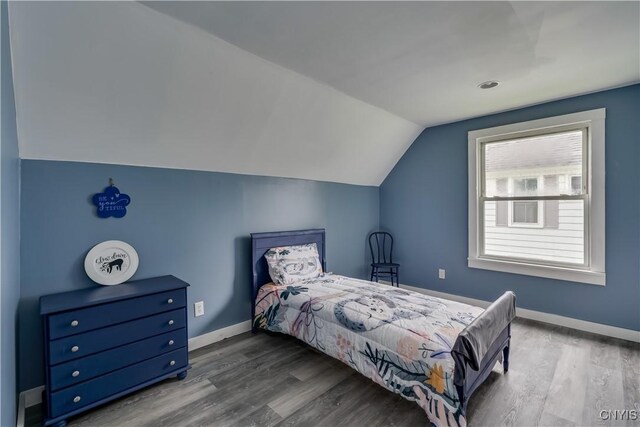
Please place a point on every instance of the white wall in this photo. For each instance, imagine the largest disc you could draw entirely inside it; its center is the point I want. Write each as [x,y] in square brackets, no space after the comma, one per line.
[117,82]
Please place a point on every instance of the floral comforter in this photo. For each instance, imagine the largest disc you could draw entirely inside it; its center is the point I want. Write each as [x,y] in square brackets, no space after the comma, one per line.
[400,339]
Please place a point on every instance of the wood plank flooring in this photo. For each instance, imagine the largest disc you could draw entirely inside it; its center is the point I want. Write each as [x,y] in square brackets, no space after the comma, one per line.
[557,377]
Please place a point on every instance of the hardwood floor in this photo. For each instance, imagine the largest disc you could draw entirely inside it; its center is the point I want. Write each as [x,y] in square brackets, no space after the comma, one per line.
[557,377]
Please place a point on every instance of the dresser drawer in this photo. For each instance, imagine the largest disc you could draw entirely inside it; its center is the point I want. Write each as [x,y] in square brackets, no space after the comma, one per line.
[77,346]
[77,396]
[83,369]
[86,319]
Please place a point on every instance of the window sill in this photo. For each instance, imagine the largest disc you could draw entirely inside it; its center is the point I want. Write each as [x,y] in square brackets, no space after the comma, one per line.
[523,225]
[559,273]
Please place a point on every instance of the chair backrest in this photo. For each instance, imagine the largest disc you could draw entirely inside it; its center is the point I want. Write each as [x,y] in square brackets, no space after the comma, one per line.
[381,245]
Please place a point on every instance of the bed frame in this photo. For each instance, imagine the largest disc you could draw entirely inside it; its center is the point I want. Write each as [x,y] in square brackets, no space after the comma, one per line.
[466,379]
[262,242]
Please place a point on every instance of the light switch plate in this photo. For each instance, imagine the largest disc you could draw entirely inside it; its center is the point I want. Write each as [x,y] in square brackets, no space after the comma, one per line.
[441,273]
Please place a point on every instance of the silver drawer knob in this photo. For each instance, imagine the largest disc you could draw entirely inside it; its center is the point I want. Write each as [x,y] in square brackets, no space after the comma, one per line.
[75,373]
[173,362]
[74,323]
[171,342]
[170,322]
[169,301]
[75,348]
[76,399]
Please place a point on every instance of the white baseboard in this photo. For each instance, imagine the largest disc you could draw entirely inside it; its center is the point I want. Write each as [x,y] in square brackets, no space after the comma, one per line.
[219,335]
[26,399]
[33,396]
[21,410]
[569,322]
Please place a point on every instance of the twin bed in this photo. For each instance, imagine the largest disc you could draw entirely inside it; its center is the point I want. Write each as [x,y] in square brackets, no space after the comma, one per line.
[432,351]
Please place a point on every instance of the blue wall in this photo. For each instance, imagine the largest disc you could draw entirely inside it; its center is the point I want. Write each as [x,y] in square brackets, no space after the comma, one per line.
[423,202]
[9,230]
[194,225]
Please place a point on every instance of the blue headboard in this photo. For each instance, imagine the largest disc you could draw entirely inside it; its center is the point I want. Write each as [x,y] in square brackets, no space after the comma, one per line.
[262,242]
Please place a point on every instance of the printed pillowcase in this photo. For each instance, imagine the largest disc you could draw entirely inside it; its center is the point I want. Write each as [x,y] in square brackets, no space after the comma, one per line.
[290,264]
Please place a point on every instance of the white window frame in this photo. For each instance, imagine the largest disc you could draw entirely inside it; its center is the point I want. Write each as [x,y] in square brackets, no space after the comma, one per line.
[593,270]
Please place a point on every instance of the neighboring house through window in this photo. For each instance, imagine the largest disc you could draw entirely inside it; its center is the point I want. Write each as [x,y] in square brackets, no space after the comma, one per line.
[525,213]
[576,184]
[536,198]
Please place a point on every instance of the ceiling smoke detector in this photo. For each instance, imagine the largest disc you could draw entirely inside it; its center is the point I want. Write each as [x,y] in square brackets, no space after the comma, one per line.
[489,84]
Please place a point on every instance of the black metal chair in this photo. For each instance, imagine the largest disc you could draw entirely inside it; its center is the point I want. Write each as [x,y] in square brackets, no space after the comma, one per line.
[382,257]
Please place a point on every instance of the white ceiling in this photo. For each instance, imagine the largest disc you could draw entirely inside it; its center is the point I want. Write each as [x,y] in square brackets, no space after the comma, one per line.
[117,82]
[423,60]
[332,91]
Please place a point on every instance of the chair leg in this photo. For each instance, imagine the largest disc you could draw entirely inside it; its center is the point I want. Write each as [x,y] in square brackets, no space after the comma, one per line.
[374,274]
[398,277]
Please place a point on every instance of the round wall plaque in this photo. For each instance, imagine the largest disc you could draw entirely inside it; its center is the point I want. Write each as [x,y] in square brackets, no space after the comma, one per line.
[111,262]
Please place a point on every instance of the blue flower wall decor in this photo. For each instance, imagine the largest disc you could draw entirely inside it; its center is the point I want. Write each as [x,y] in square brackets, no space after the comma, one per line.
[111,202]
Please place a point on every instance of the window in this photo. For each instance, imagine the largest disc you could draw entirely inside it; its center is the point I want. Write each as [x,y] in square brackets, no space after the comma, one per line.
[536,198]
[525,186]
[576,184]
[525,213]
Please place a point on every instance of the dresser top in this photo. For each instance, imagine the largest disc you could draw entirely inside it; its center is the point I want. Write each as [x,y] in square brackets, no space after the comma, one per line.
[103,294]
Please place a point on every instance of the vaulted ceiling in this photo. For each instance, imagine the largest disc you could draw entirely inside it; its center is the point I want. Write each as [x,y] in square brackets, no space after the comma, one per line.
[424,60]
[333,91]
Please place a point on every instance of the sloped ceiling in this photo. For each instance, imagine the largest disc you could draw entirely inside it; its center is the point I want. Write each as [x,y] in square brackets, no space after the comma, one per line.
[332,91]
[423,60]
[118,82]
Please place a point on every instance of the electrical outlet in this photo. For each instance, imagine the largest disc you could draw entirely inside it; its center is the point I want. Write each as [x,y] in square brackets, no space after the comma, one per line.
[441,273]
[198,308]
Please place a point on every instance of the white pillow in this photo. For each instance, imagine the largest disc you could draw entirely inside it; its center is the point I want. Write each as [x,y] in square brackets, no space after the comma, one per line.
[290,264]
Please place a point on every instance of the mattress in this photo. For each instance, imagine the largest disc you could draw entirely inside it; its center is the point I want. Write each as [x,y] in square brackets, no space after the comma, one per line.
[400,339]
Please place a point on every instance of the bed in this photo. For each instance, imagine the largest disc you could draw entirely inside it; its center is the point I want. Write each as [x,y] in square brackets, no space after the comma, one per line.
[432,351]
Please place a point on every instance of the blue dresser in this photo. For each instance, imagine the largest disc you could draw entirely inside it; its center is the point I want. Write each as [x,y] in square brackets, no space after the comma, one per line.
[104,342]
